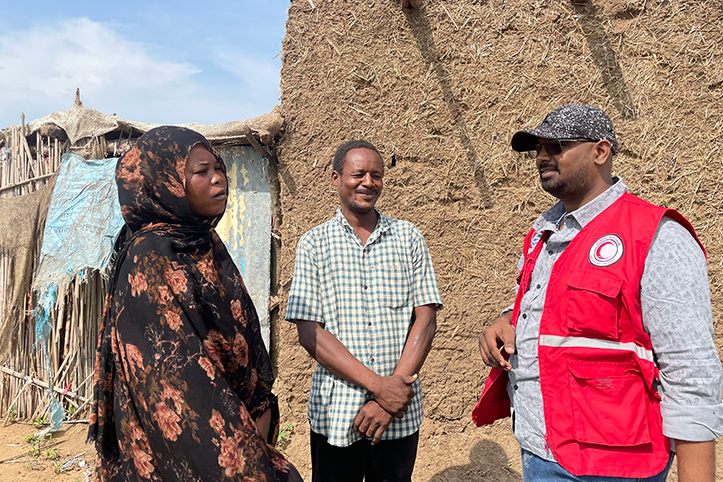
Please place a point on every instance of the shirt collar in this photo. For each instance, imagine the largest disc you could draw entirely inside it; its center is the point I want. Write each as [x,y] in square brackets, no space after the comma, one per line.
[383,225]
[586,213]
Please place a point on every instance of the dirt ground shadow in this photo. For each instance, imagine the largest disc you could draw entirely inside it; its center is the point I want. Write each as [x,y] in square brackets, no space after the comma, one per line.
[487,461]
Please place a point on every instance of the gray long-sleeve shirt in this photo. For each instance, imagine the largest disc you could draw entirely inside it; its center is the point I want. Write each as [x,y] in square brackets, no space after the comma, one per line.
[676,312]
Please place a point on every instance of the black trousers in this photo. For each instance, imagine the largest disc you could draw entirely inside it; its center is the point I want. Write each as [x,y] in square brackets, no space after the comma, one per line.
[387,461]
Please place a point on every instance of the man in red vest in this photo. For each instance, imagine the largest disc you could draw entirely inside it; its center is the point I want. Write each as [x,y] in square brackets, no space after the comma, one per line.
[607,353]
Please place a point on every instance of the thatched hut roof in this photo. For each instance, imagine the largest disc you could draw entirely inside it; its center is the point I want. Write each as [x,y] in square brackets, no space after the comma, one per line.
[80,123]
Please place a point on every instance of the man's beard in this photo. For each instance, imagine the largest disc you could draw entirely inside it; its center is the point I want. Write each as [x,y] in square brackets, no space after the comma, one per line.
[560,188]
[557,187]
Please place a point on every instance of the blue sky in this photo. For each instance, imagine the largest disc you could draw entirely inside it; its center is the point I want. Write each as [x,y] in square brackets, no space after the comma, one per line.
[165,62]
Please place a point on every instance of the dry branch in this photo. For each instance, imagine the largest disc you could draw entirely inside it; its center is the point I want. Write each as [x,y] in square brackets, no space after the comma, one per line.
[44,385]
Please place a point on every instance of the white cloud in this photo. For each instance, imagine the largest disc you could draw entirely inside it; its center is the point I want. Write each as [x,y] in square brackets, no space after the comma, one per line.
[40,69]
[259,77]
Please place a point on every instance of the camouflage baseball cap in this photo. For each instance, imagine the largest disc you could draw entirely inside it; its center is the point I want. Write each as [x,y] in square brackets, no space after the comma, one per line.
[571,121]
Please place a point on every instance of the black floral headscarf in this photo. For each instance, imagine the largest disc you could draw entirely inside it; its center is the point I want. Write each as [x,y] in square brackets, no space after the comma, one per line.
[151,180]
[181,370]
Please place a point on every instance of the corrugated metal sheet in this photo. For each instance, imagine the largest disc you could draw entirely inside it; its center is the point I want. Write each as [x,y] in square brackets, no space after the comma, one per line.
[246,226]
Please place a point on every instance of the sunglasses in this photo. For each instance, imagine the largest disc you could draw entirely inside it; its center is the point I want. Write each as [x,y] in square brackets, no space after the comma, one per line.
[554,147]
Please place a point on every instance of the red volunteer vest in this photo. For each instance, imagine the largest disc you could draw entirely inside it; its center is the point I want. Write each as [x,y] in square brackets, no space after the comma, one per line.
[602,414]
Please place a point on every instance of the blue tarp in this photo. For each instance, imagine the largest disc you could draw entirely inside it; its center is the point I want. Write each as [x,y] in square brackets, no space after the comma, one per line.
[84,220]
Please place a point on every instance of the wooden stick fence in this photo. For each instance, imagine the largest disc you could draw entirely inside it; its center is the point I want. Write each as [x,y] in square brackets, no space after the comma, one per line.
[24,379]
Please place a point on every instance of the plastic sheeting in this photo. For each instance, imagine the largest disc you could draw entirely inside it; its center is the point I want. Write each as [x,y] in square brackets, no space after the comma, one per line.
[83,222]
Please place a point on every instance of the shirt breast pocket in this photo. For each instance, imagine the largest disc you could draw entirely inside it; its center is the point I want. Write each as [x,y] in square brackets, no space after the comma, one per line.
[394,285]
[593,303]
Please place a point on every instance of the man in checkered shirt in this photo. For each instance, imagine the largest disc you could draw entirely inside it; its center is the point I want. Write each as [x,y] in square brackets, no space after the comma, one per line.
[364,299]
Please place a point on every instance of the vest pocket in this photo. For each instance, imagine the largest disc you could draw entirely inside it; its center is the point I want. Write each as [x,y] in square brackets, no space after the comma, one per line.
[593,302]
[609,404]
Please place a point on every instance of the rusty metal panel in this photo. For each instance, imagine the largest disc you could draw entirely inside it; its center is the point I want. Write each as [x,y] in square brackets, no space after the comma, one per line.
[246,226]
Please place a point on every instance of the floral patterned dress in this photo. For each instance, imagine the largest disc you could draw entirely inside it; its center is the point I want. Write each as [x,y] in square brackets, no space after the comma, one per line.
[181,371]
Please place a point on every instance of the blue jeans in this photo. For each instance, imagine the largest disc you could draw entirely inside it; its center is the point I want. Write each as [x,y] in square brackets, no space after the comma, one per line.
[536,469]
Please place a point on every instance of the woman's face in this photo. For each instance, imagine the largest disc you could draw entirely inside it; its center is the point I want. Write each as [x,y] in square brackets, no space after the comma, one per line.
[206,187]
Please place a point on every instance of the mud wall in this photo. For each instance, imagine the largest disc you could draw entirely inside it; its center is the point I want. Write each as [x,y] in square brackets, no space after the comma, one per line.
[440,90]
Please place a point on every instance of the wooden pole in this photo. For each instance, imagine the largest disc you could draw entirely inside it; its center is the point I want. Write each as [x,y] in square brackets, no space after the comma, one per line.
[42,384]
[23,183]
[10,407]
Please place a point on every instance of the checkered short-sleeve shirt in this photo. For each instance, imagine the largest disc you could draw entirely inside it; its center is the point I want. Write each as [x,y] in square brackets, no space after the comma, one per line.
[364,295]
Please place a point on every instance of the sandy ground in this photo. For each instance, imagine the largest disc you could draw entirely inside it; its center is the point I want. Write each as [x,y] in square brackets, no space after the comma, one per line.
[447,453]
[63,458]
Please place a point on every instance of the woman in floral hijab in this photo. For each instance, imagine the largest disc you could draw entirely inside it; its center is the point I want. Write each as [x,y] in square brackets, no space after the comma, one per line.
[182,377]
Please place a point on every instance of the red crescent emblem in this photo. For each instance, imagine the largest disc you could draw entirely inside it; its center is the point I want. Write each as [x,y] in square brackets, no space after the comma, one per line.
[606,251]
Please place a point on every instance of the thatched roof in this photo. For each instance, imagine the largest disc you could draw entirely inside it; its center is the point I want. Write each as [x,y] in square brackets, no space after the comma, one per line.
[82,122]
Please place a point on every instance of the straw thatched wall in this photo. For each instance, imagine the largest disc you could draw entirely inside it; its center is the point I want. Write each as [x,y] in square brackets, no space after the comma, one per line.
[27,167]
[440,91]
